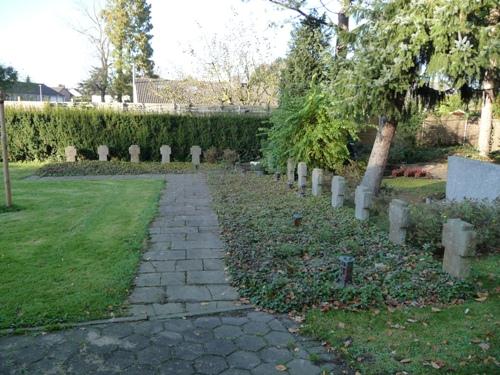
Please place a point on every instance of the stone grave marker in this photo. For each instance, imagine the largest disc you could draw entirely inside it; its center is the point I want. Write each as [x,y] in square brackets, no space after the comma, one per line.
[317,182]
[290,170]
[195,155]
[338,191]
[459,241]
[165,151]
[302,173]
[103,152]
[399,218]
[134,152]
[363,200]
[70,153]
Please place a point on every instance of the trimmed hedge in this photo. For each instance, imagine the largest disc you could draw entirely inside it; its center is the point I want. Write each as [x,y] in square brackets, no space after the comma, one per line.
[43,134]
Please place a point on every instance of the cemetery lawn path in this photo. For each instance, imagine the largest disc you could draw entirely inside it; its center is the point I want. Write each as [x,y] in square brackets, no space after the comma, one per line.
[70,249]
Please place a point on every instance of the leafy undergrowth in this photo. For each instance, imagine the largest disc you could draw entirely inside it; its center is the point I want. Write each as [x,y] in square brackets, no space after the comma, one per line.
[282,267]
[96,168]
[458,339]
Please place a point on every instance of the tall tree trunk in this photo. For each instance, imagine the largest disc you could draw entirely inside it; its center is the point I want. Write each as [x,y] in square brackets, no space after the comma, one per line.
[485,123]
[343,29]
[379,155]
[5,153]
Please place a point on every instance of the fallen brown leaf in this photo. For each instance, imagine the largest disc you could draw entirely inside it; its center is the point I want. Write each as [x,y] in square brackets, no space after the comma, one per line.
[406,360]
[281,368]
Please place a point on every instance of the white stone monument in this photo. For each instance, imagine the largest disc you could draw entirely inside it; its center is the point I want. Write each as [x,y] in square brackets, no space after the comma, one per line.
[165,151]
[459,241]
[363,201]
[103,152]
[338,191]
[290,170]
[317,182]
[195,155]
[134,152]
[302,173]
[399,213]
[70,153]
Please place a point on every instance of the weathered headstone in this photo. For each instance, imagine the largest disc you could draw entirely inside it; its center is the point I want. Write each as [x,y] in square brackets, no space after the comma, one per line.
[398,218]
[103,152]
[290,170]
[195,155]
[302,173]
[338,191]
[70,153]
[363,200]
[317,181]
[459,241]
[165,151]
[134,152]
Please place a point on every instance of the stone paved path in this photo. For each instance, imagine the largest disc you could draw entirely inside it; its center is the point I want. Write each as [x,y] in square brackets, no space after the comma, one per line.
[182,273]
[183,270]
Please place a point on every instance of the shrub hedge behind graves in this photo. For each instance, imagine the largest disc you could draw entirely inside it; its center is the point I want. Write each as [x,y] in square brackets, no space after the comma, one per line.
[43,134]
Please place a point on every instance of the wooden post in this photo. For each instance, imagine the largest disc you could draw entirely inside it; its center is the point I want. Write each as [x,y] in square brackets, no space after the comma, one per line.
[5,153]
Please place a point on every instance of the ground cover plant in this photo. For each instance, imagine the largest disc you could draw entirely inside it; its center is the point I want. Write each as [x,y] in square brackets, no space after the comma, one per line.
[458,339]
[96,168]
[70,250]
[283,268]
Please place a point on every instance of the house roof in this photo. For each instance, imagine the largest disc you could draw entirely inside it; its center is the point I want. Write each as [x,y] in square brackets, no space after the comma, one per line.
[29,88]
[63,91]
[149,90]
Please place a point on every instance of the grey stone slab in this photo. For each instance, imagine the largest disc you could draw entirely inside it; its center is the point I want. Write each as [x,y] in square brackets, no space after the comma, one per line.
[177,367]
[213,265]
[228,332]
[221,347]
[178,325]
[223,292]
[148,279]
[259,316]
[280,339]
[256,328]
[267,369]
[275,355]
[302,366]
[250,342]
[160,246]
[204,254]
[188,245]
[140,309]
[168,308]
[189,350]
[210,365]
[173,278]
[188,293]
[207,322]
[164,255]
[202,307]
[146,267]
[234,320]
[163,265]
[189,265]
[206,277]
[147,295]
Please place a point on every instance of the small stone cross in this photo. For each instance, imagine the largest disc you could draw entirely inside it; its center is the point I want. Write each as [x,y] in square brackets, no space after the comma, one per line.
[363,200]
[103,152]
[195,155]
[165,151]
[399,219]
[70,153]
[317,181]
[302,173]
[134,152]
[459,241]
[338,191]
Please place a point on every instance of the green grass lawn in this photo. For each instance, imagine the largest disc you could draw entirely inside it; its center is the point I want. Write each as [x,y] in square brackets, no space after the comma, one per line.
[70,249]
[461,339]
[415,189]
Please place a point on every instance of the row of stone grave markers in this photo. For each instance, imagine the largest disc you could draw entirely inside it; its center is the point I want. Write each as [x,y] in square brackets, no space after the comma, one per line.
[134,151]
[458,237]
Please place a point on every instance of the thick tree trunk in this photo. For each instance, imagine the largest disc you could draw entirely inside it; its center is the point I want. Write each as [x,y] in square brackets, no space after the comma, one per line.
[485,123]
[5,154]
[343,26]
[379,155]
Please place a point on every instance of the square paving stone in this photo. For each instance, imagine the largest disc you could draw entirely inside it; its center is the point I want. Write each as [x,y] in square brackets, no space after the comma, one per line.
[188,293]
[206,277]
[173,278]
[147,295]
[189,265]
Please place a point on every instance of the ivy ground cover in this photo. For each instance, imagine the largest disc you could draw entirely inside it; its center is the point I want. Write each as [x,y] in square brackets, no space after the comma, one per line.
[69,249]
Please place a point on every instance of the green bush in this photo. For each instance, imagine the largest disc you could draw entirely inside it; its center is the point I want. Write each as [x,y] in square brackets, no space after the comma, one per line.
[43,134]
[426,223]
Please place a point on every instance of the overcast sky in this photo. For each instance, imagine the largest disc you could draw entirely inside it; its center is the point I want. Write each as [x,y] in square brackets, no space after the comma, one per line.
[39,40]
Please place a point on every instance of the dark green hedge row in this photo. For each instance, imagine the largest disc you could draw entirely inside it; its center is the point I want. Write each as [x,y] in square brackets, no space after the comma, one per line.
[43,134]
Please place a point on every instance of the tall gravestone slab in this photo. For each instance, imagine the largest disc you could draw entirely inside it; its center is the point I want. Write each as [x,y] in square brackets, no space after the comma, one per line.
[195,155]
[459,241]
[103,152]
[165,151]
[302,174]
[363,200]
[399,213]
[338,191]
[317,181]
[290,170]
[472,179]
[134,152]
[70,153]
